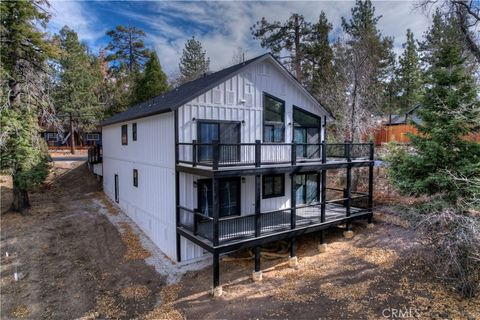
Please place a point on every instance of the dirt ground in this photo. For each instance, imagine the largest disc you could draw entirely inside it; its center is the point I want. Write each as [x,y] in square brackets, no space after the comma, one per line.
[72,264]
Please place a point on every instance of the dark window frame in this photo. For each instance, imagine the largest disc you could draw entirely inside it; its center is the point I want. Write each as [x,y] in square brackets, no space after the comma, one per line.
[271,125]
[237,180]
[124,134]
[134,131]
[135,178]
[273,194]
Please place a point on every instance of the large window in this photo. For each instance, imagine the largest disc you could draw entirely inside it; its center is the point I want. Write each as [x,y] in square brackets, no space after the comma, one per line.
[273,186]
[124,134]
[134,131]
[226,133]
[306,188]
[229,196]
[273,119]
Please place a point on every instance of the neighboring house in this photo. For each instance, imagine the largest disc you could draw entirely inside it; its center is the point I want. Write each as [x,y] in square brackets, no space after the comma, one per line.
[397,128]
[56,138]
[234,159]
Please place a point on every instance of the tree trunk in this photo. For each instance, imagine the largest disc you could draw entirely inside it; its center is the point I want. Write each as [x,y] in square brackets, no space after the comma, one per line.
[20,199]
[72,136]
[298,51]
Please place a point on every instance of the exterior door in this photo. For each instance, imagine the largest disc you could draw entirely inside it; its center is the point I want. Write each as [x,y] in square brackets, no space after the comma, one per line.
[306,188]
[227,133]
[229,196]
[117,191]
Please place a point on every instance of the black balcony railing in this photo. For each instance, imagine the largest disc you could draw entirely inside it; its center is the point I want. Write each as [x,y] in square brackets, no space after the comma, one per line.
[256,154]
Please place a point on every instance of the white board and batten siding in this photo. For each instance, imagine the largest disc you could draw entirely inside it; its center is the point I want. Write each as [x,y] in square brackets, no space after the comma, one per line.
[152,204]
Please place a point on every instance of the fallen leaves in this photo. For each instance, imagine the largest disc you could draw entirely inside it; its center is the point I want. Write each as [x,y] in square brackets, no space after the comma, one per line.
[135,250]
[136,292]
[107,307]
[166,310]
[378,256]
[21,311]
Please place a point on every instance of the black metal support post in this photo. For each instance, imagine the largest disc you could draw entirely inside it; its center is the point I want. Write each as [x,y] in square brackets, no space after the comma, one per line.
[257,258]
[258,153]
[293,247]
[323,184]
[194,153]
[215,209]
[293,202]
[257,206]
[348,195]
[370,182]
[216,154]
[294,153]
[216,270]
[322,237]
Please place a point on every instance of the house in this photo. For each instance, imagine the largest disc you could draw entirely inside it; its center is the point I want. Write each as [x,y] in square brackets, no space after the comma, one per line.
[234,159]
[61,138]
[398,127]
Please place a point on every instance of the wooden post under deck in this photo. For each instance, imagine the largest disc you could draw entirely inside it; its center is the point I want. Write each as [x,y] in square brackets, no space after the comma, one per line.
[215,214]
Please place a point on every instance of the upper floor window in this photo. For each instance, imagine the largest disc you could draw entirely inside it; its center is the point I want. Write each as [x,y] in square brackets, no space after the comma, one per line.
[273,119]
[124,134]
[134,131]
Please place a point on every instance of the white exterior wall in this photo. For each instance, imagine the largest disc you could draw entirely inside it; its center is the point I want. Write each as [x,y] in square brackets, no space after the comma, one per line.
[152,204]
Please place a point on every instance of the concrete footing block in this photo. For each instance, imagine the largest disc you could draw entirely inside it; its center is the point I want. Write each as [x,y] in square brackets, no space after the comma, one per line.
[257,276]
[348,234]
[293,262]
[370,225]
[217,291]
[322,248]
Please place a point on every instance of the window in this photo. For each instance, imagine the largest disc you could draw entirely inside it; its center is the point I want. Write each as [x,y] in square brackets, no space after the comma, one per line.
[273,186]
[223,132]
[93,136]
[134,131]
[124,135]
[273,119]
[51,136]
[306,188]
[135,177]
[229,196]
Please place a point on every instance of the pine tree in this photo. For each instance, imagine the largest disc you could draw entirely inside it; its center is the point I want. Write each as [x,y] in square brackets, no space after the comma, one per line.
[368,61]
[289,35]
[193,62]
[450,110]
[408,77]
[127,48]
[75,98]
[153,82]
[318,70]
[24,52]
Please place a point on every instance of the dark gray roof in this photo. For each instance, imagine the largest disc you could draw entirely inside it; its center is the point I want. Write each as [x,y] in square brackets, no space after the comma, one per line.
[180,95]
[410,115]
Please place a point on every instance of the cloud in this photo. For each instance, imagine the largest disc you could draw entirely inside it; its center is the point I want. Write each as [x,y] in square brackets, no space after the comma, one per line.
[79,17]
[222,27]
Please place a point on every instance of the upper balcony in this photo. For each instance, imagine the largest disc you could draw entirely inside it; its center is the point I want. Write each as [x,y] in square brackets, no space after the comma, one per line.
[221,156]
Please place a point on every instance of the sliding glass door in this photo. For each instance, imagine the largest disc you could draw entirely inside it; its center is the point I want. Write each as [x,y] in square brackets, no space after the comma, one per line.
[306,188]
[229,196]
[227,133]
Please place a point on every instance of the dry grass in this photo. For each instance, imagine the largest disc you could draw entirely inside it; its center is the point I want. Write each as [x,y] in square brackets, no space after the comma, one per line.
[21,311]
[107,204]
[166,310]
[107,307]
[137,292]
[378,256]
[135,250]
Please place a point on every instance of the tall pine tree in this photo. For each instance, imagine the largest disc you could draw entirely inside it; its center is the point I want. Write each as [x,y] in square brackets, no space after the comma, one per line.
[408,76]
[289,35]
[193,62]
[75,98]
[450,110]
[153,81]
[24,53]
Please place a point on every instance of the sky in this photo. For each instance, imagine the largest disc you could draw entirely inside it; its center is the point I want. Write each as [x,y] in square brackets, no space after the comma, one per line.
[222,27]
